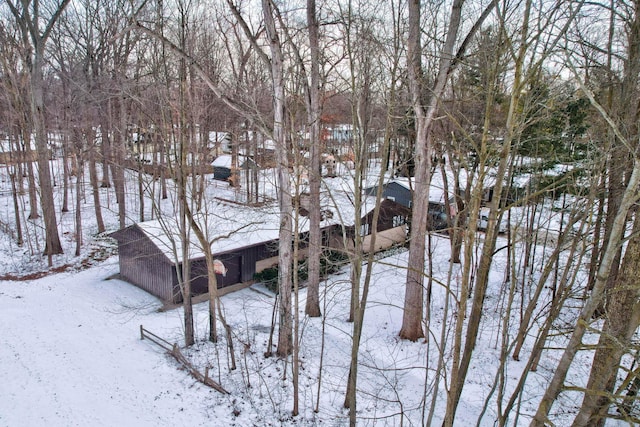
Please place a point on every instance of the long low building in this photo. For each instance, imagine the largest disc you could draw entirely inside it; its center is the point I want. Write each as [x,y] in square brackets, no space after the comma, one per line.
[244,241]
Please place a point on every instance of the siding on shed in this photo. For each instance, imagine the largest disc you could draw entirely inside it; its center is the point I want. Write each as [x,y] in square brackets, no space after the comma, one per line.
[392,214]
[391,229]
[233,262]
[260,256]
[143,264]
[394,192]
[398,193]
[221,173]
[241,265]
[199,277]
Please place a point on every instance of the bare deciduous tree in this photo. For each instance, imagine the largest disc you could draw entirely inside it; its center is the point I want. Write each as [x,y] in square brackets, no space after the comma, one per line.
[284,183]
[28,17]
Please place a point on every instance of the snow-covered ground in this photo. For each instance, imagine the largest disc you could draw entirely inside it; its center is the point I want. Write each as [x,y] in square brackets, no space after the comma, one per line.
[71,353]
[72,356]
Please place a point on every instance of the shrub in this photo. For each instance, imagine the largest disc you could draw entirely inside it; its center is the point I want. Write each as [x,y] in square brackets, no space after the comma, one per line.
[330,263]
[268,276]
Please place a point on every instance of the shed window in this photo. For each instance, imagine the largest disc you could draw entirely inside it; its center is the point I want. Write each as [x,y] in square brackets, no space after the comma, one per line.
[365,229]
[398,220]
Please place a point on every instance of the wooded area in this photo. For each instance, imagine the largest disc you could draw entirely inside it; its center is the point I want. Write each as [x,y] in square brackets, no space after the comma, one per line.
[527,110]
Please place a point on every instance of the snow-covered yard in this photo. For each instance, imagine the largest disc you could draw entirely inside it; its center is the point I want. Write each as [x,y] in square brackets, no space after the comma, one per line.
[71,351]
[72,355]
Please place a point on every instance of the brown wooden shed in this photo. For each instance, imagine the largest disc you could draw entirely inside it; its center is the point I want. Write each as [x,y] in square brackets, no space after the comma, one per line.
[147,262]
[391,227]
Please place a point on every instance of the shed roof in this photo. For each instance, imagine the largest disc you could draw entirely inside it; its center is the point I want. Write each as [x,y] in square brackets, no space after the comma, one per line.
[226,161]
[228,229]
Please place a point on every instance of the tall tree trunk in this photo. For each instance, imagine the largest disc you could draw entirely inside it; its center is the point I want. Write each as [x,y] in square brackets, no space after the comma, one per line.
[106,138]
[95,190]
[414,293]
[31,183]
[53,245]
[625,108]
[284,194]
[118,166]
[16,207]
[65,175]
[312,308]
[183,177]
[142,193]
[78,213]
[213,294]
[161,167]
[185,231]
[424,114]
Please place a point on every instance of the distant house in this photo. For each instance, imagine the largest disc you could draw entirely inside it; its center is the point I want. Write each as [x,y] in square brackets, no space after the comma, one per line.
[400,192]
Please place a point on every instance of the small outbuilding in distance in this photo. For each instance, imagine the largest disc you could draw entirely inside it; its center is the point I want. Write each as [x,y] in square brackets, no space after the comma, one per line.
[223,166]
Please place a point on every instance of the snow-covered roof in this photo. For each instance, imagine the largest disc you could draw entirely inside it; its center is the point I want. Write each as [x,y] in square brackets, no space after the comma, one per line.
[231,228]
[437,187]
[227,230]
[224,161]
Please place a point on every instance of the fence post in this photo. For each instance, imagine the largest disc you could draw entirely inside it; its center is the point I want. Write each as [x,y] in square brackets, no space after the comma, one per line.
[141,332]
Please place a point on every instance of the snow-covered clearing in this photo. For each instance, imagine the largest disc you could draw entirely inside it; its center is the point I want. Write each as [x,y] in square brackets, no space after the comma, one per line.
[72,355]
[71,351]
